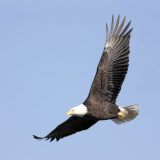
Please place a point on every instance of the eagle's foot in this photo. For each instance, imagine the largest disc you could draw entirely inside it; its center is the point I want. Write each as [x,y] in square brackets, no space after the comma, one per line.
[121,115]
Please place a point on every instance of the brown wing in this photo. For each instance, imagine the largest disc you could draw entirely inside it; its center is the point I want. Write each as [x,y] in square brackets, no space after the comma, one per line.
[113,64]
[69,127]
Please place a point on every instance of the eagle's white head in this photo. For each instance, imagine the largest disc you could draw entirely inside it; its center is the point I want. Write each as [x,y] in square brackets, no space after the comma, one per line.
[79,111]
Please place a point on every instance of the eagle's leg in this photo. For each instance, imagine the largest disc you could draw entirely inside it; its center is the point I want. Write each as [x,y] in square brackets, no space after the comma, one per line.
[121,115]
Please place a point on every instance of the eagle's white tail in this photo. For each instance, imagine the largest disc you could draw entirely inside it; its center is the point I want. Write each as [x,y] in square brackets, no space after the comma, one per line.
[130,113]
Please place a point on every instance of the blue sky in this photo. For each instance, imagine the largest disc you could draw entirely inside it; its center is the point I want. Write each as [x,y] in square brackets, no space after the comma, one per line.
[49,51]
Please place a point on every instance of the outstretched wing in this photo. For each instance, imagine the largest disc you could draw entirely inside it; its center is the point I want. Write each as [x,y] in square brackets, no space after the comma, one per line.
[113,64]
[69,127]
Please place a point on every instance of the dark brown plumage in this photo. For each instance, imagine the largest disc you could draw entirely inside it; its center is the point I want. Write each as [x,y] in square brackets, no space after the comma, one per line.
[106,86]
[72,125]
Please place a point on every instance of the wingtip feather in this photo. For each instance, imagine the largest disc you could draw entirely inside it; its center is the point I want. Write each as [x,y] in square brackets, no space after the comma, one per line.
[106,32]
[121,26]
[36,137]
[111,30]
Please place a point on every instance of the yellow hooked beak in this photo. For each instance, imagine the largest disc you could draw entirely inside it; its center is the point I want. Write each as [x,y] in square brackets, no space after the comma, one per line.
[70,112]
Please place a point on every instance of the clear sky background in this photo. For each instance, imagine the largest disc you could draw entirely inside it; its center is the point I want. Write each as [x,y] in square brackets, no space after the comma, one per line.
[49,51]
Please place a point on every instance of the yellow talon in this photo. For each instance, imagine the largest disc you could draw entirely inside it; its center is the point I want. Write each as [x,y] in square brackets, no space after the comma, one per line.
[121,115]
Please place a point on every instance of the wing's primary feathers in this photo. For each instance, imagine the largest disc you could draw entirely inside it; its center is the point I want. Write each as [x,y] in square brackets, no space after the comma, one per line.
[113,64]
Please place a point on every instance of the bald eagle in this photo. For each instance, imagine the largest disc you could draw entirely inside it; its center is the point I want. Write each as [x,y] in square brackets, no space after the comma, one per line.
[101,101]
